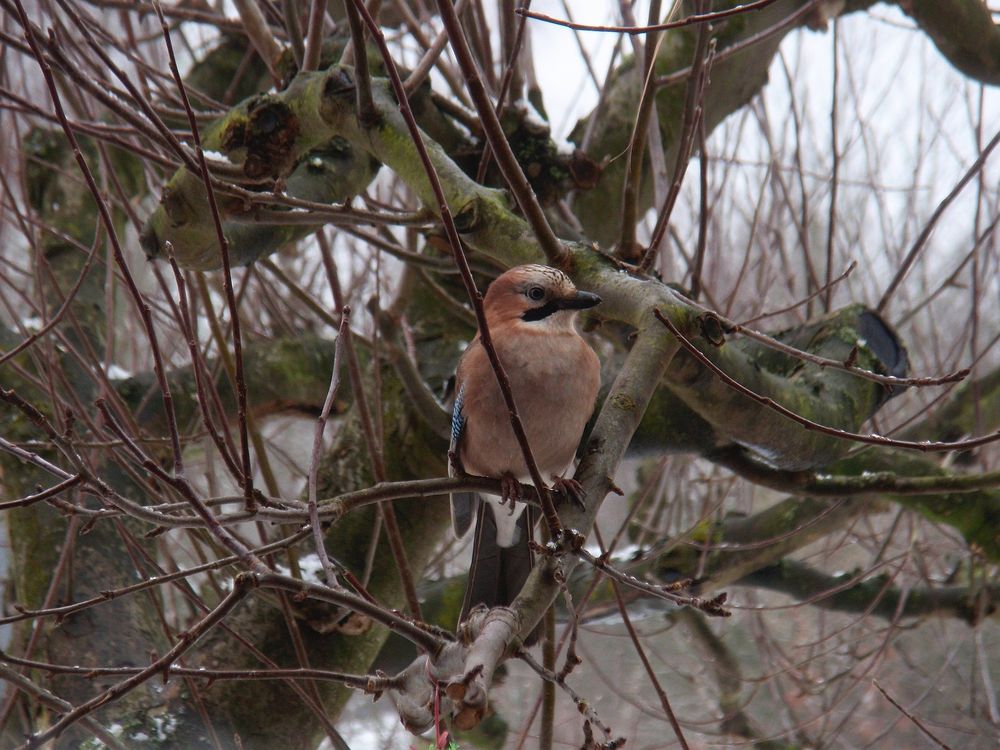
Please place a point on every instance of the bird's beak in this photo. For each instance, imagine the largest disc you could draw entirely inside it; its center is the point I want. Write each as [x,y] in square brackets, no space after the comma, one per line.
[579,301]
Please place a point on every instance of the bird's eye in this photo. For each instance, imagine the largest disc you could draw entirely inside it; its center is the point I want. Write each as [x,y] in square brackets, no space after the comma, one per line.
[536,293]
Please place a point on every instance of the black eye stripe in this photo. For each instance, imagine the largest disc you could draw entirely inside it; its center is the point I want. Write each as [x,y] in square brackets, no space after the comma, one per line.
[539,313]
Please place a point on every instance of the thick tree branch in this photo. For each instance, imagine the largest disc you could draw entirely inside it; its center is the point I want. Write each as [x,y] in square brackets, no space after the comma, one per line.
[963,31]
[875,595]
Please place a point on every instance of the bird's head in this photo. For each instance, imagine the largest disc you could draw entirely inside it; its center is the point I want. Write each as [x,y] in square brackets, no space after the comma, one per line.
[535,295]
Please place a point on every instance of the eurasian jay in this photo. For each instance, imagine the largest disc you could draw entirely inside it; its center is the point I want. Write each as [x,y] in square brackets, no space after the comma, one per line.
[554,376]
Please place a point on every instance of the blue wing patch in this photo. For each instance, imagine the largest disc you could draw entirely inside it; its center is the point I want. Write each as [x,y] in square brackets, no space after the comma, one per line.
[462,503]
[457,418]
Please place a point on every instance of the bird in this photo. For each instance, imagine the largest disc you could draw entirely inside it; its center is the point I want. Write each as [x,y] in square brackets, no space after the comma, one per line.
[554,376]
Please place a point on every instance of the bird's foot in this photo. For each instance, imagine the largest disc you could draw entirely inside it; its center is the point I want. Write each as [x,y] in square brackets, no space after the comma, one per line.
[570,489]
[510,491]
[456,464]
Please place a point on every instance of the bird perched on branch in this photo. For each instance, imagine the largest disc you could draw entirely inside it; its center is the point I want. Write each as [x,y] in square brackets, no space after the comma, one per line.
[554,377]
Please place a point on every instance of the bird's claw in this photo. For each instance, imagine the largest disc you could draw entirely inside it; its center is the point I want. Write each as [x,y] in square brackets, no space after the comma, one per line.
[510,492]
[456,464]
[570,489]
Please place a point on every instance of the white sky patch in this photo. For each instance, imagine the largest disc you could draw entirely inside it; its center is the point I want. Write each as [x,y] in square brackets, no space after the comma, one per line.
[116,372]
[311,566]
[567,87]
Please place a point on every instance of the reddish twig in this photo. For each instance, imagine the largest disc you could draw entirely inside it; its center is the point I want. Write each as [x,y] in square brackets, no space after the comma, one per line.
[293,29]
[69,297]
[925,233]
[368,683]
[393,532]
[699,256]
[24,502]
[109,226]
[554,250]
[637,143]
[198,368]
[667,592]
[831,221]
[851,267]
[227,538]
[106,596]
[508,76]
[56,581]
[790,20]
[331,394]
[423,68]
[731,326]
[911,717]
[650,672]
[241,589]
[694,111]
[583,705]
[227,276]
[417,633]
[548,506]
[22,683]
[254,25]
[868,483]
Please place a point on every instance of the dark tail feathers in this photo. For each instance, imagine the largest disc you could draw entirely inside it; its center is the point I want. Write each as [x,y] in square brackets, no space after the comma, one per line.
[497,573]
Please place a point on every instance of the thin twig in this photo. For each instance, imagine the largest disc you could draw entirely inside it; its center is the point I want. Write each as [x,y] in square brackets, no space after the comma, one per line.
[911,717]
[668,592]
[831,220]
[68,298]
[694,111]
[554,250]
[423,68]
[584,706]
[925,233]
[331,394]
[548,507]
[109,595]
[241,589]
[851,267]
[22,683]
[24,502]
[290,16]
[374,446]
[641,652]
[637,143]
[731,326]
[698,266]
[505,83]
[368,683]
[227,275]
[787,22]
[109,226]
[200,371]
[422,400]
[420,635]
[812,484]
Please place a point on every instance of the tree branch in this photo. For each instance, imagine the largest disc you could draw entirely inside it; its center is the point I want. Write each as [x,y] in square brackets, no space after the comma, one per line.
[963,31]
